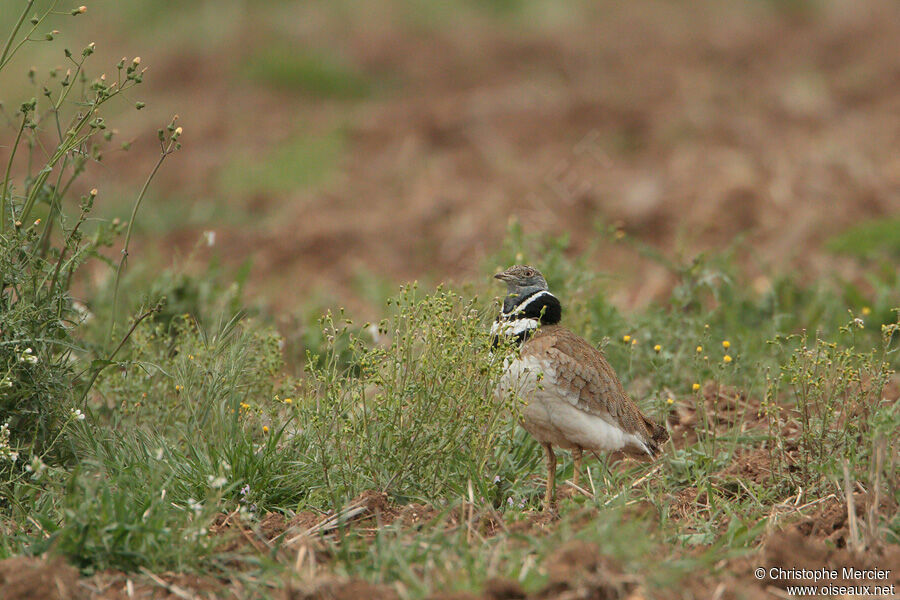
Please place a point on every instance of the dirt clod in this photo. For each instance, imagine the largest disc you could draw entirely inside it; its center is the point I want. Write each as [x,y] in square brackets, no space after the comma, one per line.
[581,569]
[503,589]
[39,578]
[353,589]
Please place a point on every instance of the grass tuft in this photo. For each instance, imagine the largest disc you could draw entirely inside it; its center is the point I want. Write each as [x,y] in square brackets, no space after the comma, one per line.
[293,69]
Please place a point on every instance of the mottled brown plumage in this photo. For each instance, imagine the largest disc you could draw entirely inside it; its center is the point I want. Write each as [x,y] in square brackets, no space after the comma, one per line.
[583,371]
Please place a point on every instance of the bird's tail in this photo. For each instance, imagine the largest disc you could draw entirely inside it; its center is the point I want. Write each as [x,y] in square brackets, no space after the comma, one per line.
[658,435]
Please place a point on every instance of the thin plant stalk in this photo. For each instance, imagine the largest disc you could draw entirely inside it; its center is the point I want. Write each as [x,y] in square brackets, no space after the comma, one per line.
[137,204]
[12,155]
[15,30]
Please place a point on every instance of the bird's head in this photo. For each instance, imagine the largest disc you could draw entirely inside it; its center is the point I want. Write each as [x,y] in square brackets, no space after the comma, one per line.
[522,280]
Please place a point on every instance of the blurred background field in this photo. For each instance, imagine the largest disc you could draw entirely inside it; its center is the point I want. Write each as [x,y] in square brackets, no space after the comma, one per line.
[336,146]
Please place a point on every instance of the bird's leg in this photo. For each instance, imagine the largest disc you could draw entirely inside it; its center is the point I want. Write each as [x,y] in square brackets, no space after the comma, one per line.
[576,458]
[550,496]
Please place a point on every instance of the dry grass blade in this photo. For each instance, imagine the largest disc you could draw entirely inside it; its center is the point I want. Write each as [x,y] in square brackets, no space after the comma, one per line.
[305,563]
[350,512]
[636,483]
[580,489]
[170,587]
[471,508]
[853,540]
[871,529]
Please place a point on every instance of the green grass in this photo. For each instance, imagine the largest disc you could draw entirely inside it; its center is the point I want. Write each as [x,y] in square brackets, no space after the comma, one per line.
[300,163]
[296,69]
[869,239]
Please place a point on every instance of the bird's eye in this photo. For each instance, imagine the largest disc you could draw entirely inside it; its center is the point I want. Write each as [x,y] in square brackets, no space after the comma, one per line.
[529,273]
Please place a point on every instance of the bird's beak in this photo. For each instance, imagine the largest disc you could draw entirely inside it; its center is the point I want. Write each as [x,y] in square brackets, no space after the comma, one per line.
[504,276]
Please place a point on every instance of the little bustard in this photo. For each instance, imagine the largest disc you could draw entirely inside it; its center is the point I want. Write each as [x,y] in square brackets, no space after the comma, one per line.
[572,397]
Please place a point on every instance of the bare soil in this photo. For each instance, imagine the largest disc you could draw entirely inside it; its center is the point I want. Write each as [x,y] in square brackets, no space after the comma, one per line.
[691,126]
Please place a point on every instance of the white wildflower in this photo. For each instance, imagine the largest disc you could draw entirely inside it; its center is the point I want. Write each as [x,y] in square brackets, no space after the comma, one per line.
[195,506]
[28,356]
[84,314]
[36,467]
[210,237]
[77,414]
[216,482]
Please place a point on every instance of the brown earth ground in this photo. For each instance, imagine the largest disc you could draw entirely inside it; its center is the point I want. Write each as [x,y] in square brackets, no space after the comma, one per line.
[690,125]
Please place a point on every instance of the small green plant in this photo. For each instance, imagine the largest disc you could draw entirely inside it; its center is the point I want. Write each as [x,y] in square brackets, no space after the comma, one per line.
[44,240]
[835,395]
[414,414]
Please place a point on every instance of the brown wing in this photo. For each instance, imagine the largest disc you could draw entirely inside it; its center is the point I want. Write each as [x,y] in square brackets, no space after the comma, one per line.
[587,379]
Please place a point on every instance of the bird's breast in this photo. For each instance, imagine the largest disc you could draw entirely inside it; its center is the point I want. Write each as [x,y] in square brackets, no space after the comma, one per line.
[550,412]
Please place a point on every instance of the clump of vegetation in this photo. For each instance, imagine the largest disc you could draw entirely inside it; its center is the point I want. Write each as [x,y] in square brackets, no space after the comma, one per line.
[44,242]
[413,414]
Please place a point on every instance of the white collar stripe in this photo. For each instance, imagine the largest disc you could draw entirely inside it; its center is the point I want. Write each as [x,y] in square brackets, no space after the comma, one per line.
[526,303]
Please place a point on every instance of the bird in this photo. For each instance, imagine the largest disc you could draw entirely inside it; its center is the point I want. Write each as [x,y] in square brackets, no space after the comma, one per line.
[571,395]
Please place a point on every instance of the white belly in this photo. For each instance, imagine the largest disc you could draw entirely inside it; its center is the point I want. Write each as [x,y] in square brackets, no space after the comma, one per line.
[550,414]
